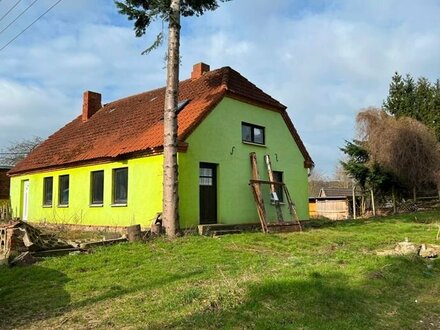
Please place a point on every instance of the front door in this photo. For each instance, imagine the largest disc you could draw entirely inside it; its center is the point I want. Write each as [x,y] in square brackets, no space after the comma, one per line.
[208,193]
[25,209]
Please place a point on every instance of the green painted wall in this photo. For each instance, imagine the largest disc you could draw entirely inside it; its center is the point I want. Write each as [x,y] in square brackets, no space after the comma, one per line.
[144,195]
[212,142]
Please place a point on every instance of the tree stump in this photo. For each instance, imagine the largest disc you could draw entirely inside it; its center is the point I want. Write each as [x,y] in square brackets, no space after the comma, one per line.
[156,229]
[134,233]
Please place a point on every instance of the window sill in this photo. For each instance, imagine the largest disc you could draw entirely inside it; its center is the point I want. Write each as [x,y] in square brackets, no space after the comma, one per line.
[47,206]
[119,205]
[254,144]
[280,203]
[96,205]
[63,206]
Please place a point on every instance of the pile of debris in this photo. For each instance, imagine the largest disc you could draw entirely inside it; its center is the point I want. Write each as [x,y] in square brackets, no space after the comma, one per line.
[21,243]
[409,248]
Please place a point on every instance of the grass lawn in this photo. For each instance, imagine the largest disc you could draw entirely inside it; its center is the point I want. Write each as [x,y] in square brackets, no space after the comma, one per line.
[324,278]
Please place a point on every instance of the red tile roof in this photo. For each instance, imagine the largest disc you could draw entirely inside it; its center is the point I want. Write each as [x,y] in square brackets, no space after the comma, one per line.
[135,124]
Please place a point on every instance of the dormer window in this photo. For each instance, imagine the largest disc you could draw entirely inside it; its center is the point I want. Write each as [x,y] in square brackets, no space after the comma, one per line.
[252,133]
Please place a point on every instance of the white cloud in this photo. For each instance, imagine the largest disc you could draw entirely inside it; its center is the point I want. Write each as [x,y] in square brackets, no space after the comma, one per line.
[27,111]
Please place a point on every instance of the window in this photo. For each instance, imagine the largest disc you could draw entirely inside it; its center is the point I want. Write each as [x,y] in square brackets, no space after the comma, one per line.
[252,133]
[63,191]
[120,185]
[206,176]
[97,187]
[47,191]
[278,177]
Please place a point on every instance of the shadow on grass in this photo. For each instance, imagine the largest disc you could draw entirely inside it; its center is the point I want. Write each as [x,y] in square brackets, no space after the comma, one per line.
[35,293]
[317,302]
[116,290]
[384,299]
[29,294]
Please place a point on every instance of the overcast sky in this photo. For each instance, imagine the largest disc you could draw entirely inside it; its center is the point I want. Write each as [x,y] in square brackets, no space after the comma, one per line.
[323,59]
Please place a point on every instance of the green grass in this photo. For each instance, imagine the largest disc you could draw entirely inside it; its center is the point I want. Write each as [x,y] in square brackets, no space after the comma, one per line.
[328,277]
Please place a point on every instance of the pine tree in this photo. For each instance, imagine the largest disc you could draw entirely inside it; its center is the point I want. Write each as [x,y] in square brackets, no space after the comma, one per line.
[394,103]
[420,101]
[424,98]
[356,165]
[143,13]
[409,98]
[368,175]
[435,112]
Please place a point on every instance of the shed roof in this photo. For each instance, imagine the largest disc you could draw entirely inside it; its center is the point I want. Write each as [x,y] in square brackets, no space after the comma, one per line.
[135,124]
[336,192]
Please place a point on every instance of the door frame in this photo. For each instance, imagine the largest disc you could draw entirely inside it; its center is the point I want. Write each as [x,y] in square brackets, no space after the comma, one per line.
[25,200]
[214,168]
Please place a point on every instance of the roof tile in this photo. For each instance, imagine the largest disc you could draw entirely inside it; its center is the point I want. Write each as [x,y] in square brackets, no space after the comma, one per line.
[135,123]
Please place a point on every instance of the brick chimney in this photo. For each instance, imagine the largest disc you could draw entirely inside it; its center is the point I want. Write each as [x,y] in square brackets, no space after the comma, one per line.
[199,69]
[91,104]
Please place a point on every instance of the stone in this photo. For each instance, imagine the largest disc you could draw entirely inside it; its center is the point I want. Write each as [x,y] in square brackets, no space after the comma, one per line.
[429,251]
[406,248]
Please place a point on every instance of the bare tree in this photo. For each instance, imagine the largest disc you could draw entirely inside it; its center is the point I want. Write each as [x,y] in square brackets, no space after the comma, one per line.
[18,150]
[341,176]
[316,182]
[404,146]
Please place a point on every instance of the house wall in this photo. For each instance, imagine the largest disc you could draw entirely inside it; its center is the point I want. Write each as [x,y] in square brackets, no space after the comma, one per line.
[144,195]
[215,139]
[211,142]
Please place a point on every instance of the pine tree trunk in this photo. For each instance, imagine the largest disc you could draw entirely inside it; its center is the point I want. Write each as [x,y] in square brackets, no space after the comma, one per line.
[414,194]
[170,214]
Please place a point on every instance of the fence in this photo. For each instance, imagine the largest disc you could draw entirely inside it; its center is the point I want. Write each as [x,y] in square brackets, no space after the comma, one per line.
[5,212]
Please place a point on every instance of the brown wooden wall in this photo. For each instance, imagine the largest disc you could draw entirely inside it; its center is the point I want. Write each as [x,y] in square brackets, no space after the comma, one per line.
[334,209]
[4,184]
[312,209]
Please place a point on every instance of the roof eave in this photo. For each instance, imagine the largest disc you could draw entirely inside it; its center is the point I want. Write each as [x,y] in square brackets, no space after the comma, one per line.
[182,147]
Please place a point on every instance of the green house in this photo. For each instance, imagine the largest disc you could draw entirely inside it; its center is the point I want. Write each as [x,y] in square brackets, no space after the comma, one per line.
[104,168]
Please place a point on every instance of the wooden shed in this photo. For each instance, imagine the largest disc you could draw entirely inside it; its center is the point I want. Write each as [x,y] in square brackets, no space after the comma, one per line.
[332,203]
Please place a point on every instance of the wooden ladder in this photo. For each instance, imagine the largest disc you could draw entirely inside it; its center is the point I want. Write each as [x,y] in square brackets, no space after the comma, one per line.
[256,190]
[292,207]
[256,183]
[275,199]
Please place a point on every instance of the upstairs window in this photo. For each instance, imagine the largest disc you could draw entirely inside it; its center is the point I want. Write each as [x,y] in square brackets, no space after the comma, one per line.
[120,185]
[63,191]
[252,133]
[278,177]
[97,188]
[47,191]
